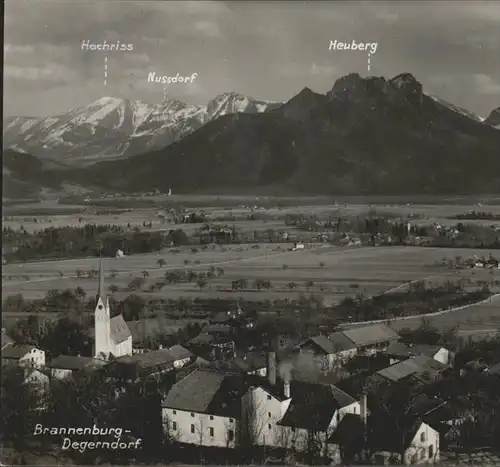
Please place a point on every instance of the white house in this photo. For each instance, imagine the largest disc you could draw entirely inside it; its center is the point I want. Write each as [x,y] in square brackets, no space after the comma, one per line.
[382,442]
[37,379]
[419,445]
[204,409]
[23,355]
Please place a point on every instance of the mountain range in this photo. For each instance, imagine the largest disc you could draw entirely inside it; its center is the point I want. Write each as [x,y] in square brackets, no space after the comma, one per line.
[365,136]
[111,128]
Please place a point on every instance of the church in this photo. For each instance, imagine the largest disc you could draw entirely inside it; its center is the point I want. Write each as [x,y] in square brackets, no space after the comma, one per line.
[112,336]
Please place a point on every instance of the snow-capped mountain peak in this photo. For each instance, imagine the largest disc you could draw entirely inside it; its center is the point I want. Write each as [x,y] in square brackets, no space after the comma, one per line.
[113,127]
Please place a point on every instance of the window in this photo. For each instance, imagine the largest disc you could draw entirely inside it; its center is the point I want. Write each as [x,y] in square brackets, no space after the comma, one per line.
[192,414]
[269,414]
[354,410]
[293,429]
[269,426]
[268,398]
[174,411]
[230,435]
[174,426]
[211,417]
[211,431]
[231,420]
[192,428]
[422,437]
[431,451]
[422,454]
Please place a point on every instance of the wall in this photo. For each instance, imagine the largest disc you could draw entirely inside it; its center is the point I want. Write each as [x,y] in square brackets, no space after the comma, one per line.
[202,424]
[123,348]
[35,358]
[266,413]
[443,356]
[61,373]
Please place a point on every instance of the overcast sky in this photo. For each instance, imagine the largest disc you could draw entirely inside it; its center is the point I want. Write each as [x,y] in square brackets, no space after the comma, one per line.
[267,50]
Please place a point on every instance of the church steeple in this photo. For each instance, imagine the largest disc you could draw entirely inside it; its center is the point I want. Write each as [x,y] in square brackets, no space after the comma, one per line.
[102,317]
[101,292]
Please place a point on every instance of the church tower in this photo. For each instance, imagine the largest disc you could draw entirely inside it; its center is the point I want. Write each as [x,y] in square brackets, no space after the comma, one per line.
[102,316]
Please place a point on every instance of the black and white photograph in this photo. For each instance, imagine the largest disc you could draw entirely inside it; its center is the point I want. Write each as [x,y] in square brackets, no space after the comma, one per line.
[250,233]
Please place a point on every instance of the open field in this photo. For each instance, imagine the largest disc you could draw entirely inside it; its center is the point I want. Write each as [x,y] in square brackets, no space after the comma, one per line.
[334,271]
[66,215]
[483,318]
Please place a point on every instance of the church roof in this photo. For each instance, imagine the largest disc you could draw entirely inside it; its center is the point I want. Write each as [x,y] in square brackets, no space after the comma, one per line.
[120,331]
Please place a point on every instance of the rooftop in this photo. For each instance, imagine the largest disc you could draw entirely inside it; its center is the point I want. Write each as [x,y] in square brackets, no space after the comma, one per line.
[71,362]
[15,352]
[207,391]
[313,405]
[371,334]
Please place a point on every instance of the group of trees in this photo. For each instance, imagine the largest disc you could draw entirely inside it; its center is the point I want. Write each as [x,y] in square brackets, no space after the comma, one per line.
[418,299]
[88,240]
[88,399]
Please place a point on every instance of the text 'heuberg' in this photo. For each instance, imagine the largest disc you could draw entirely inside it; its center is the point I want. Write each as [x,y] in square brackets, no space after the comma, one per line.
[362,46]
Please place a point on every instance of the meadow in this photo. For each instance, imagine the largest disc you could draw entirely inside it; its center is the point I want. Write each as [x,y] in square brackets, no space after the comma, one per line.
[327,271]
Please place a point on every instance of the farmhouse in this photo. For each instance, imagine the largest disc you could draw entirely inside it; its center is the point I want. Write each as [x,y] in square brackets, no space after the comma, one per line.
[23,355]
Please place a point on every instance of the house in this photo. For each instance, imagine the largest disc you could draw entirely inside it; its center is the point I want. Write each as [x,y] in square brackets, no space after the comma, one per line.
[413,443]
[397,352]
[204,409]
[38,380]
[372,338]
[6,340]
[250,363]
[225,409]
[321,349]
[235,318]
[381,441]
[23,355]
[422,368]
[436,352]
[155,362]
[65,366]
[213,347]
[181,356]
[34,377]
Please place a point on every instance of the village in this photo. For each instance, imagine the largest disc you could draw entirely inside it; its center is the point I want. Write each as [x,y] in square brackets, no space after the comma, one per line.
[329,397]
